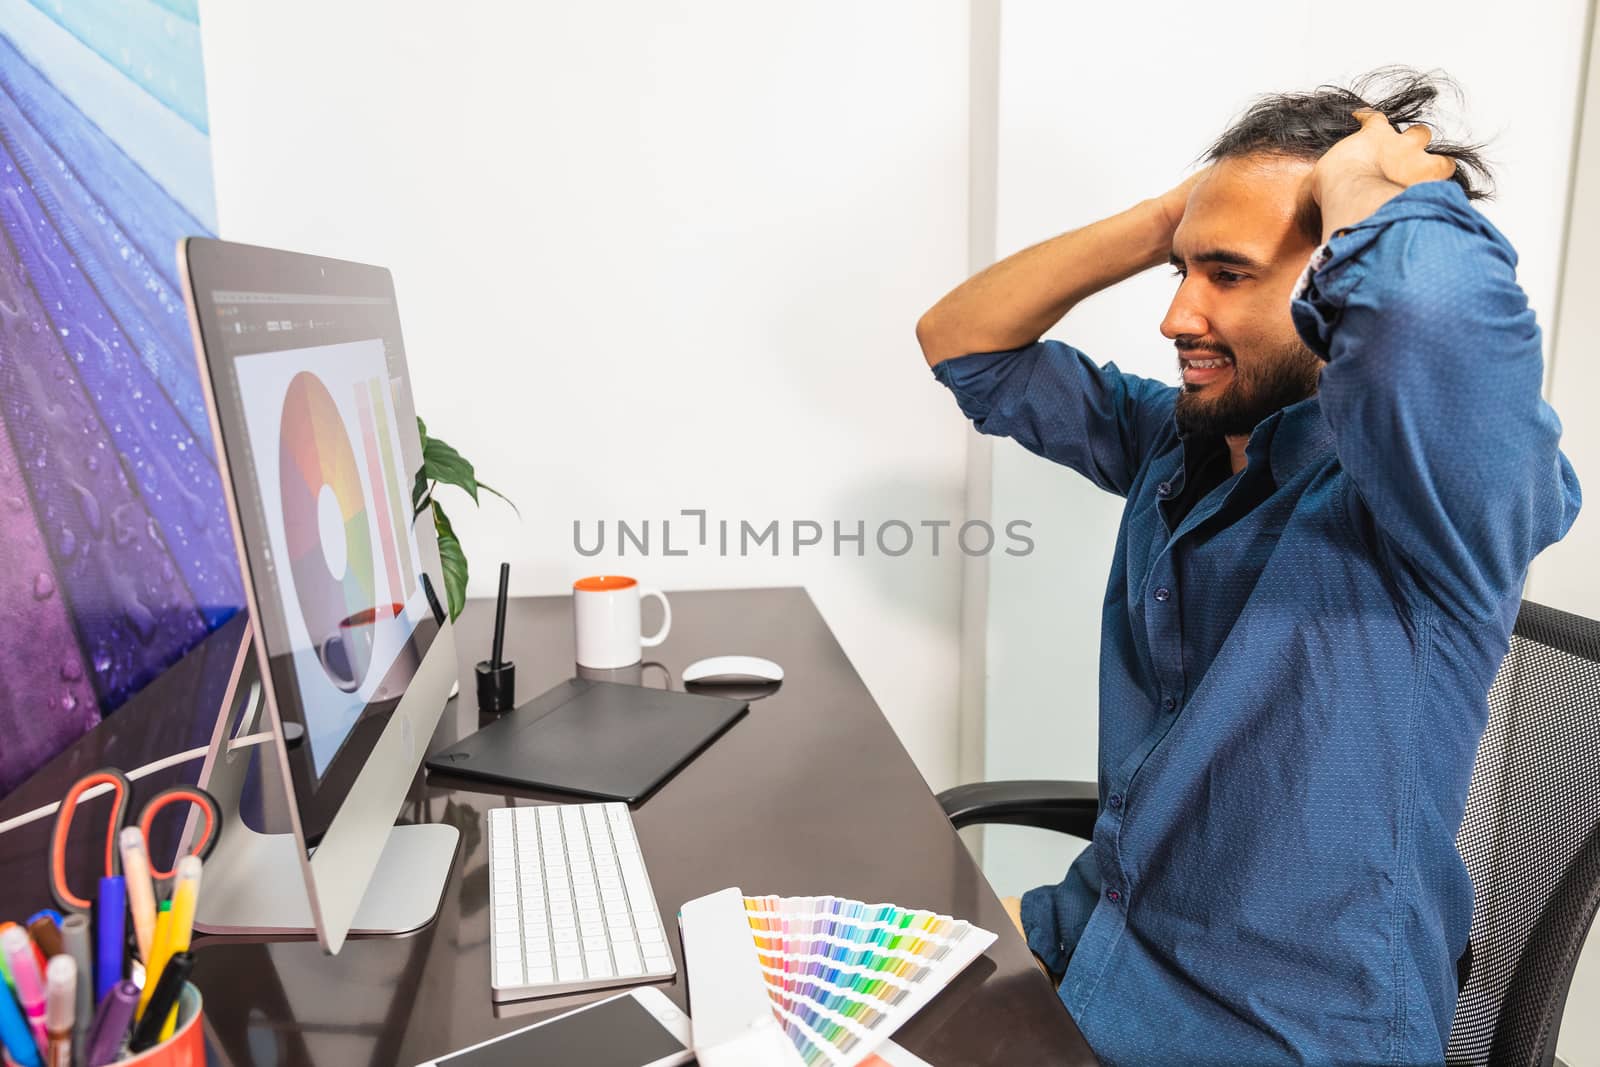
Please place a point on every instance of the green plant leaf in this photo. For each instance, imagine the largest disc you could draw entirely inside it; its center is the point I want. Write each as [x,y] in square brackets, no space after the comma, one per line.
[491,489]
[420,494]
[441,463]
[420,490]
[454,561]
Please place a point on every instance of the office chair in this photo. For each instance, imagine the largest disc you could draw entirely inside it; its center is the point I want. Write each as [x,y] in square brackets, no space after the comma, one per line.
[1530,838]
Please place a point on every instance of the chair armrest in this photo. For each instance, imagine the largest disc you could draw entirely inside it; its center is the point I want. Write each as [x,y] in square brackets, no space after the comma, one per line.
[1065,807]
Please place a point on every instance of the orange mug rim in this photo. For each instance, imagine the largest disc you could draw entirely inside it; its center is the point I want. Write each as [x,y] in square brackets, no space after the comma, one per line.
[604,583]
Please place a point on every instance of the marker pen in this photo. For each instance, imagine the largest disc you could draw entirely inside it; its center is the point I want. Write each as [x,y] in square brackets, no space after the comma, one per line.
[159,1017]
[47,935]
[185,899]
[61,1010]
[160,952]
[110,920]
[75,937]
[5,968]
[111,1024]
[30,982]
[14,1032]
[141,891]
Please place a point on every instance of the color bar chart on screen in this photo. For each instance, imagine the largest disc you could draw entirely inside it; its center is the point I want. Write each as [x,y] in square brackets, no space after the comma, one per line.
[839,976]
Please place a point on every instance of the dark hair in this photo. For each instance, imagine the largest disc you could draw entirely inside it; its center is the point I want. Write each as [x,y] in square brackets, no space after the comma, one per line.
[1306,125]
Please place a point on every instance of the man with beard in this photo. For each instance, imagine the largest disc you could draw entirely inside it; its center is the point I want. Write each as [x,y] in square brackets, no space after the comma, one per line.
[1326,532]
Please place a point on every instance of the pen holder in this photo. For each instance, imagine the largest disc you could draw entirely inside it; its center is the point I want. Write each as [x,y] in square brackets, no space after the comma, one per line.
[185,1048]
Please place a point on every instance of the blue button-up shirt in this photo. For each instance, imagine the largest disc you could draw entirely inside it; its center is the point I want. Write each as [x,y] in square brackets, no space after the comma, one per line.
[1293,675]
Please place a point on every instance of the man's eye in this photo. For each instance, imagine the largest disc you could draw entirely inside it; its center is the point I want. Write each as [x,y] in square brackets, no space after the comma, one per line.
[1227,277]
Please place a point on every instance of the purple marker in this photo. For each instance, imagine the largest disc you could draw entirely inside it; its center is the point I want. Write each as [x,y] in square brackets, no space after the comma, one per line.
[111,1024]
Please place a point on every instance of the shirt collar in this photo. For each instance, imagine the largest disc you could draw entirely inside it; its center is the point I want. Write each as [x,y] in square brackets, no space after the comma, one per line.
[1289,438]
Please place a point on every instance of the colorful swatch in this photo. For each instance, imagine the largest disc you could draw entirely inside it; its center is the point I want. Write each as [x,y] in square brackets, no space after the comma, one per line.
[366,392]
[844,975]
[315,453]
[399,508]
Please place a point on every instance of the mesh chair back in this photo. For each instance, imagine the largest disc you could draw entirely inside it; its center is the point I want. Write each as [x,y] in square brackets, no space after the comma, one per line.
[1531,841]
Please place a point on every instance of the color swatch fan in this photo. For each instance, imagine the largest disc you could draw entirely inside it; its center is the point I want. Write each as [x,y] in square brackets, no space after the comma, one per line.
[812,980]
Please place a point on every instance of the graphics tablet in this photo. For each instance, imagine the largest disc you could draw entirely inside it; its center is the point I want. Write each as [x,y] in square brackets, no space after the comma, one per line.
[593,739]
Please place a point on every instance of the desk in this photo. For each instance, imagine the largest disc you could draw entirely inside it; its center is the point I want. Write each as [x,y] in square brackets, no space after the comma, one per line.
[810,793]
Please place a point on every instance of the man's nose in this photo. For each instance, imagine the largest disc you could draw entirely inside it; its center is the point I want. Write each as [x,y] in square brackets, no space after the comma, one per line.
[1184,316]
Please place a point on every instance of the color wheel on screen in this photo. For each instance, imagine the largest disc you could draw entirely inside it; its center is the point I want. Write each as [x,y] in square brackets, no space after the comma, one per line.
[321,491]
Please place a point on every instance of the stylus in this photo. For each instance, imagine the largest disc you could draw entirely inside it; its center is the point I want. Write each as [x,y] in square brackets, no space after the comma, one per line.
[500,617]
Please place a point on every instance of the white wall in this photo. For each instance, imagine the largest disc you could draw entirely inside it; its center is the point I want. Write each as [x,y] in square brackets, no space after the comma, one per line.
[650,256]
[1096,111]
[1568,575]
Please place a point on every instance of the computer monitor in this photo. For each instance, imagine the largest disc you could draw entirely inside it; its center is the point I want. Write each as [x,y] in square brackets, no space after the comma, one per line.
[305,381]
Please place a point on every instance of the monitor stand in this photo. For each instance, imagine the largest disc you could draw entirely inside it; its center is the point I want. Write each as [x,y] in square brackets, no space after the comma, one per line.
[255,883]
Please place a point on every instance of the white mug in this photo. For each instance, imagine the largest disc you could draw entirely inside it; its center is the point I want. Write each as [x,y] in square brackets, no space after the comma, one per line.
[605,620]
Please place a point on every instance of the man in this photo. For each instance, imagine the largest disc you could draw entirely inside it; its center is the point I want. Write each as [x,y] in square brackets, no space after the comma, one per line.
[1326,533]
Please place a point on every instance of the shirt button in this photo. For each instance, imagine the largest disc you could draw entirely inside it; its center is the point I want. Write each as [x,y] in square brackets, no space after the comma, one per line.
[1113,895]
[1164,489]
[1169,704]
[1114,801]
[1163,594]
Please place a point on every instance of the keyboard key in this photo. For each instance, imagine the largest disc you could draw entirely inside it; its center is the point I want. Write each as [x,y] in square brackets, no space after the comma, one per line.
[598,966]
[569,970]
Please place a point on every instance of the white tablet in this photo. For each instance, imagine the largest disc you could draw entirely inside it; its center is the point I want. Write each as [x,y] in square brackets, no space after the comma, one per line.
[639,1028]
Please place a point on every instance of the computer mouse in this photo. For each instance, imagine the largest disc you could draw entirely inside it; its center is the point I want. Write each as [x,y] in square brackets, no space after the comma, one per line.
[732,670]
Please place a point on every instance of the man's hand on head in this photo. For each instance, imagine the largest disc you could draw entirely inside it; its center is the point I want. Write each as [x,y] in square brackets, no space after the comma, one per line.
[1175,201]
[1370,167]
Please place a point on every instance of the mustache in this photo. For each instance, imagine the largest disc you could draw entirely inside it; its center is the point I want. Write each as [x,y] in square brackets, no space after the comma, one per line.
[1186,349]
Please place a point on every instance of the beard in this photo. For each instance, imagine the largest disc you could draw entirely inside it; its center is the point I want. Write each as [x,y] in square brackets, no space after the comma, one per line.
[1258,387]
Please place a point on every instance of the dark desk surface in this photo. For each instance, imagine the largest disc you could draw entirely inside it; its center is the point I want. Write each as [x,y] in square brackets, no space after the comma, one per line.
[810,793]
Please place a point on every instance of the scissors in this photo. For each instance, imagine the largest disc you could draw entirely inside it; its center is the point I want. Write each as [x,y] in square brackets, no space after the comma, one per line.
[210,826]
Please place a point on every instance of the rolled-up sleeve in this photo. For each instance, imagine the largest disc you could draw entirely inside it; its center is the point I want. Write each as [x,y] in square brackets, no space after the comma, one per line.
[1054,401]
[1432,389]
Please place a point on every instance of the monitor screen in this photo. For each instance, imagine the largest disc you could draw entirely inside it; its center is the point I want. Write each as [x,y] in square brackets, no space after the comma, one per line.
[318,427]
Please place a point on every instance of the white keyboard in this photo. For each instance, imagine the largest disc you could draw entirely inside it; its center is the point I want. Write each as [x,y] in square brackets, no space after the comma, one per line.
[571,904]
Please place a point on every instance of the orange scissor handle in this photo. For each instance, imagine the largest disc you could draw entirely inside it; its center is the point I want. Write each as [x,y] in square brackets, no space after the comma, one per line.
[210,820]
[120,789]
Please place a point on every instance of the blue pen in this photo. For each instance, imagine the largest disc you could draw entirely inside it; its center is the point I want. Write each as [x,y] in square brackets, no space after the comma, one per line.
[111,934]
[14,1032]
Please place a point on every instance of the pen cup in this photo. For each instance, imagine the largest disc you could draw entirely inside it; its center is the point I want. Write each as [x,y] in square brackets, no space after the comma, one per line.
[185,1048]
